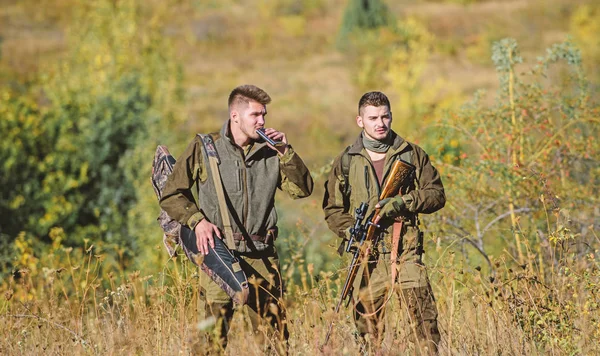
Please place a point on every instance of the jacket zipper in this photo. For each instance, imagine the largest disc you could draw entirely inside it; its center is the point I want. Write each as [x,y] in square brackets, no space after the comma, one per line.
[244,186]
[246,193]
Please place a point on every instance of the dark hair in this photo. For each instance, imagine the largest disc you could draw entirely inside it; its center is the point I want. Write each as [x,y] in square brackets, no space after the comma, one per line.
[373,98]
[245,93]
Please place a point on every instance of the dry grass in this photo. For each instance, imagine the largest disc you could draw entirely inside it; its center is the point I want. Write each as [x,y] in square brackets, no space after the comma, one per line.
[70,308]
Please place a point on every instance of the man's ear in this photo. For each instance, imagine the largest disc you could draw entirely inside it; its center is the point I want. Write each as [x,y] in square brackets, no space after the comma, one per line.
[234,116]
[359,121]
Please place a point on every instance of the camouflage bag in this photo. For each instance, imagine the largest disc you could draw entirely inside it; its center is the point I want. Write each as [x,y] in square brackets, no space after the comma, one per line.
[221,264]
[162,166]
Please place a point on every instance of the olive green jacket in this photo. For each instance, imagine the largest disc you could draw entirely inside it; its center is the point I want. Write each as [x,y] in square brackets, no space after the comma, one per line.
[249,180]
[424,193]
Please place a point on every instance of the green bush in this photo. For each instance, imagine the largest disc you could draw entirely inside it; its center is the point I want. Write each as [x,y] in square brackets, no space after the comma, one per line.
[76,162]
[525,159]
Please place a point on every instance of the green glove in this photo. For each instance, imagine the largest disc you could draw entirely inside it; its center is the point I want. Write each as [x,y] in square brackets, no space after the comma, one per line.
[391,207]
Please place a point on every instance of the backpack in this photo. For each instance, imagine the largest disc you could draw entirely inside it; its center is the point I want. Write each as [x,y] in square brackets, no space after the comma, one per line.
[221,265]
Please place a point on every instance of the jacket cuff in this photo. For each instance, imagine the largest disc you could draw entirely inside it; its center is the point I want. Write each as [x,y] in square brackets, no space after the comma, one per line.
[194,220]
[347,233]
[287,157]
[408,202]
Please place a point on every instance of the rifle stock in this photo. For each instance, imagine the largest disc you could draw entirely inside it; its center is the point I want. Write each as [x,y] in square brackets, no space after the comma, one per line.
[367,232]
[399,172]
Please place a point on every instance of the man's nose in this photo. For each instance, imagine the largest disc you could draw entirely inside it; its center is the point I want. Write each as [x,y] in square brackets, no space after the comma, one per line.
[261,120]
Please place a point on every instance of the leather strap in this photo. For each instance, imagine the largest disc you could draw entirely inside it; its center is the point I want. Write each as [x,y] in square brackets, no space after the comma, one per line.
[213,160]
[396,232]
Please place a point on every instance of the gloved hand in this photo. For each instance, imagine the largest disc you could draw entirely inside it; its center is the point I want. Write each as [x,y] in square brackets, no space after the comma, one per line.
[391,207]
[342,247]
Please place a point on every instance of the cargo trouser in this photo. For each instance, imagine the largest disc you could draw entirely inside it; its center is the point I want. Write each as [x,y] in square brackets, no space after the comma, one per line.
[412,288]
[265,302]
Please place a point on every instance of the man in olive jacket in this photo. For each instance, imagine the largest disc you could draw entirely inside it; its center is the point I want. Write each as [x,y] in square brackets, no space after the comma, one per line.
[251,171]
[356,177]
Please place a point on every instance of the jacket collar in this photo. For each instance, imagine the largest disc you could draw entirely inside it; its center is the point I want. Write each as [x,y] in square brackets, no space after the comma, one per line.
[399,145]
[226,133]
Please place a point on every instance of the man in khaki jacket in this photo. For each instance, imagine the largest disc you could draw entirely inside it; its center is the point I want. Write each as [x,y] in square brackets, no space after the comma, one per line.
[356,177]
[251,171]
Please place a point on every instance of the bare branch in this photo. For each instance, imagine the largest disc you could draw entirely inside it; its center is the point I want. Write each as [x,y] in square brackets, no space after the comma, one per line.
[502,216]
[482,252]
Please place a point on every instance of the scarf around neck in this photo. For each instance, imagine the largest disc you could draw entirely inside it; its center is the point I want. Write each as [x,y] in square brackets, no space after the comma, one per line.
[377,146]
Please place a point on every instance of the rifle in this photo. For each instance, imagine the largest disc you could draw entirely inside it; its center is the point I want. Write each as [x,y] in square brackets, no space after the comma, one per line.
[365,233]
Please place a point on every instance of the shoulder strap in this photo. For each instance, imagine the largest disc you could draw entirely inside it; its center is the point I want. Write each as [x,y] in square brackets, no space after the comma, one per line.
[209,147]
[213,159]
[346,158]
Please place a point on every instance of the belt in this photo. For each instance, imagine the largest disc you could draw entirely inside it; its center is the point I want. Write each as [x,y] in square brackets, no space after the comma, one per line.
[268,238]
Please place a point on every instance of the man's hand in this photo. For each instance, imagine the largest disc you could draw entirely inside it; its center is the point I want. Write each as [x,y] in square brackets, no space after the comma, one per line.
[204,231]
[390,208]
[277,136]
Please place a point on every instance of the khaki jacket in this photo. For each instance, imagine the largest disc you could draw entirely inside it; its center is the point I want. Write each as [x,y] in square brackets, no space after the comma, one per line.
[250,181]
[425,193]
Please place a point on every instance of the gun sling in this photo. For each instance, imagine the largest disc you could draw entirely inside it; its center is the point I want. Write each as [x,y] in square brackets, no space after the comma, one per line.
[396,233]
[227,229]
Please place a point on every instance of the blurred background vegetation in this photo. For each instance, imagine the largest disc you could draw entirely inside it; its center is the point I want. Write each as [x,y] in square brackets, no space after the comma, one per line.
[502,94]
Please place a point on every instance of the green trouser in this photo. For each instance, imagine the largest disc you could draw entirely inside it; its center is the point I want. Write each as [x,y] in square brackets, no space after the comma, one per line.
[411,287]
[265,301]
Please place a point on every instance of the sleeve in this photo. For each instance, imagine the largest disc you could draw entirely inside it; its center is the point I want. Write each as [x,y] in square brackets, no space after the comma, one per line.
[295,176]
[429,196]
[178,200]
[335,203]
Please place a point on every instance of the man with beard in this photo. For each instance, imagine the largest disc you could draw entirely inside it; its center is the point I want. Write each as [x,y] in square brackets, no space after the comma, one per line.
[251,170]
[394,266]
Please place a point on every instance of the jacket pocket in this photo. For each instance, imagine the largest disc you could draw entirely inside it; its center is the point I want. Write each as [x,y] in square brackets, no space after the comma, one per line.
[239,174]
[238,177]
